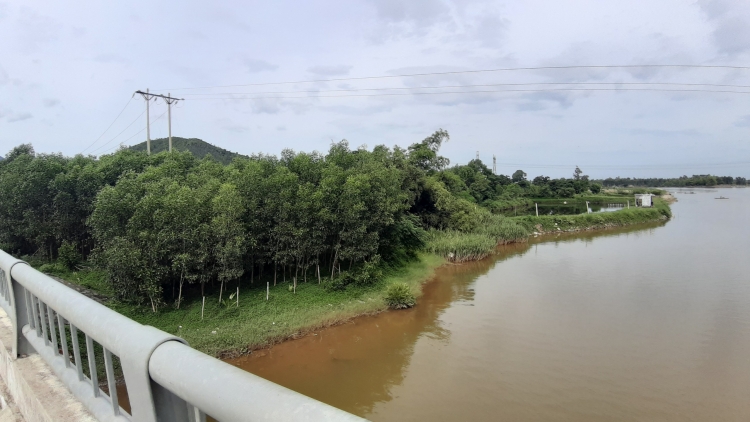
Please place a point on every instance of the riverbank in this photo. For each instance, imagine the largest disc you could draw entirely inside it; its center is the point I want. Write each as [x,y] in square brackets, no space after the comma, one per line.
[238,325]
[595,221]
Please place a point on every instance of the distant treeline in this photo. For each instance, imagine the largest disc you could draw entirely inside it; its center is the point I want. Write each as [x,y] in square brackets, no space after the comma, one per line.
[682,181]
[158,223]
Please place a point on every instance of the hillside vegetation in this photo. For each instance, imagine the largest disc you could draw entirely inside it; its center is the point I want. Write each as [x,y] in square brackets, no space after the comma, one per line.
[197,147]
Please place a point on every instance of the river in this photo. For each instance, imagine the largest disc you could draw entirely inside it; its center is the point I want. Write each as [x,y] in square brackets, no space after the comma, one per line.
[647,323]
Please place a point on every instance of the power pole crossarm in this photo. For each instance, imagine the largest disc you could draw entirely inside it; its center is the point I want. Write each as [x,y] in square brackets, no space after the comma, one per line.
[150,95]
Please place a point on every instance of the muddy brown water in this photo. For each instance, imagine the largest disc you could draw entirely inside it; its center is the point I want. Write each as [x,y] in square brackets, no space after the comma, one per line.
[651,323]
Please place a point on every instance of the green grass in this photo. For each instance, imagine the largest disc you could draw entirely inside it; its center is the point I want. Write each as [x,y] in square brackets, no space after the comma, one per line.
[624,217]
[489,232]
[90,278]
[257,323]
[459,246]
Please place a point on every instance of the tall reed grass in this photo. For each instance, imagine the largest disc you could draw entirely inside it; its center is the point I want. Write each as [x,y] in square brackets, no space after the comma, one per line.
[459,246]
[489,231]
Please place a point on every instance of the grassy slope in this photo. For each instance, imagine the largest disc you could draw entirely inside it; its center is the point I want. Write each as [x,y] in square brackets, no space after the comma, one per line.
[198,147]
[256,322]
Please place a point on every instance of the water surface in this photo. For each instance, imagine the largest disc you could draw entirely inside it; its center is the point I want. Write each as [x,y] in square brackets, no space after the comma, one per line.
[650,323]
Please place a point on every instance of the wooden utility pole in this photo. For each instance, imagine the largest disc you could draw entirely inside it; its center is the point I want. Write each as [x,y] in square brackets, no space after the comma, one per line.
[146,96]
[167,99]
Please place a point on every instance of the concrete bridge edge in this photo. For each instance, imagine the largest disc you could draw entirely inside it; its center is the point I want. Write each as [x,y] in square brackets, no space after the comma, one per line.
[33,387]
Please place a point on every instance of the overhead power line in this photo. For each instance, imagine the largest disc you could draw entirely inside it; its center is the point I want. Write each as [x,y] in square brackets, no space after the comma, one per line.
[133,135]
[110,125]
[476,92]
[476,86]
[121,132]
[457,72]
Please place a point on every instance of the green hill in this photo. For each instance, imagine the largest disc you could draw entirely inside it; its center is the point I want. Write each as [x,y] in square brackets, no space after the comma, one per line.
[198,147]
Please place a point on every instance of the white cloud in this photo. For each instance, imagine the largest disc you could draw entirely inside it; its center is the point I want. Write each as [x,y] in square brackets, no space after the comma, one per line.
[743,121]
[334,70]
[257,66]
[19,117]
[34,30]
[91,60]
[731,20]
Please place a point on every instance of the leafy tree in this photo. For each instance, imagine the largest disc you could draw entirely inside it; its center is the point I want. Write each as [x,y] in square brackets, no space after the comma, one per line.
[424,156]
[518,176]
[577,173]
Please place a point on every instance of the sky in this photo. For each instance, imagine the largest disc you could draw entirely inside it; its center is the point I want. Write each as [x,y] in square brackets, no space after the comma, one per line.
[68,72]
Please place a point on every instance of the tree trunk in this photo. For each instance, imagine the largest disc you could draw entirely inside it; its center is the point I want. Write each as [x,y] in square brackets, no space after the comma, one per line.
[179,298]
[274,274]
[221,290]
[317,268]
[333,265]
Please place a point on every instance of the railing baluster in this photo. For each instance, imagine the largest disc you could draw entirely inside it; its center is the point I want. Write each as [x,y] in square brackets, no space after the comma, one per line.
[52,330]
[3,287]
[111,381]
[92,365]
[29,312]
[195,414]
[76,351]
[63,340]
[35,313]
[42,305]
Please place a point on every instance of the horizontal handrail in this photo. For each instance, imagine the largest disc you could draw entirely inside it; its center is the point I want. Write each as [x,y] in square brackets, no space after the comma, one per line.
[166,380]
[228,393]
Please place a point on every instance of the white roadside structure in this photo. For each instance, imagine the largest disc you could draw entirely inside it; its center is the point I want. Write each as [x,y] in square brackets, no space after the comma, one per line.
[644,200]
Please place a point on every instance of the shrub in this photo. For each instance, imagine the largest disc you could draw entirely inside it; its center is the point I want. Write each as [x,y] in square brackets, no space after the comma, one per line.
[68,255]
[399,296]
[339,282]
[369,274]
[366,275]
[52,268]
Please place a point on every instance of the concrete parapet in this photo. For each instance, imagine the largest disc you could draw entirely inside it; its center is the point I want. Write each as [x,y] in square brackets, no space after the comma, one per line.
[33,387]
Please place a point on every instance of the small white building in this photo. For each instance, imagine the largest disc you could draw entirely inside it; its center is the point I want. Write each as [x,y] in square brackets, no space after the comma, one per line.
[644,200]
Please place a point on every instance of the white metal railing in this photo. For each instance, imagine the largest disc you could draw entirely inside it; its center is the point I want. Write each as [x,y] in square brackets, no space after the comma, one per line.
[165,379]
